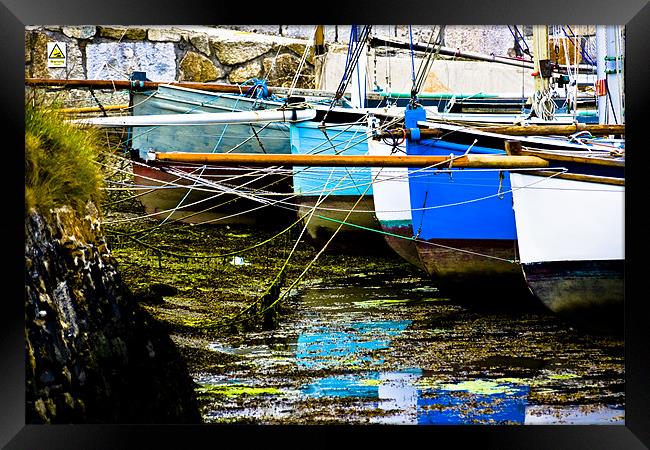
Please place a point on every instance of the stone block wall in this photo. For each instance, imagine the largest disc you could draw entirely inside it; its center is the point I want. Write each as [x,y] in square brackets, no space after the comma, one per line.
[198,54]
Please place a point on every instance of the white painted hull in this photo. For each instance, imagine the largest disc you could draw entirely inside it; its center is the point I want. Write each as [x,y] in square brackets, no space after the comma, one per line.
[392,201]
[568,220]
[571,241]
[390,186]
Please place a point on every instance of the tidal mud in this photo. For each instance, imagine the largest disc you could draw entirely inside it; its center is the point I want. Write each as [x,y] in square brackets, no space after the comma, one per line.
[359,340]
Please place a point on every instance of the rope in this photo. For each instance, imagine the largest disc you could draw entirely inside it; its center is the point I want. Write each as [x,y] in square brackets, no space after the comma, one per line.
[354,52]
[193,256]
[432,55]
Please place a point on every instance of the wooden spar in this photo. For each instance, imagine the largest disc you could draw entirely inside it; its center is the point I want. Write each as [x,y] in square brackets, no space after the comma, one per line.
[514,148]
[475,161]
[544,130]
[518,130]
[135,85]
[268,115]
[151,85]
[579,177]
[93,109]
[540,50]
[383,41]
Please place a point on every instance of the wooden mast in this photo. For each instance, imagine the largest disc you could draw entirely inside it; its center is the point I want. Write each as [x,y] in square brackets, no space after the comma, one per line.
[541,54]
[320,53]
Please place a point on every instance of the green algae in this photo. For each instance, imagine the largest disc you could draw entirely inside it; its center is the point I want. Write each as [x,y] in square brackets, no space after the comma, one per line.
[483,387]
[563,376]
[235,390]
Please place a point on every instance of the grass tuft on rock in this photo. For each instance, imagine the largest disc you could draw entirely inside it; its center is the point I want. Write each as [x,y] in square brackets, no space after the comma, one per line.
[60,161]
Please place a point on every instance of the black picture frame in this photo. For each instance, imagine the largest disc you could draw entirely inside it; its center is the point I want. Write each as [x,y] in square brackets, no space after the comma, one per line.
[16,14]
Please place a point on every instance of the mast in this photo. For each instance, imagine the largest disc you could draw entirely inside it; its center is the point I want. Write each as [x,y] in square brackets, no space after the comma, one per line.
[541,60]
[542,102]
[319,55]
[359,85]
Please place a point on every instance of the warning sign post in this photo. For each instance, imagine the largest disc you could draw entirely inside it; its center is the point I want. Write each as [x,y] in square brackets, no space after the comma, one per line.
[56,54]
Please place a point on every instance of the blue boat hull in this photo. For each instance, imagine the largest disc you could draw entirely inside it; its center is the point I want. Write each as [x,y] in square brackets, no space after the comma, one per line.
[465,225]
[336,190]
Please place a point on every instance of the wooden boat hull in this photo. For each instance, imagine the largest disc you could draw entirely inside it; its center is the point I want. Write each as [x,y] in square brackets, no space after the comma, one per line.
[193,205]
[478,271]
[327,218]
[579,289]
[199,204]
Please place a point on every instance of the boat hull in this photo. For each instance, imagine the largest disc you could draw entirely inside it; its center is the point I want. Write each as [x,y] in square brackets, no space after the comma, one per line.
[195,205]
[169,199]
[572,245]
[392,203]
[579,289]
[336,190]
[328,217]
[465,228]
[479,271]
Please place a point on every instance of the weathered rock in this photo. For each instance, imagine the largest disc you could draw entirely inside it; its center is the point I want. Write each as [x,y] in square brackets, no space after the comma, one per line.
[196,67]
[116,60]
[93,356]
[299,49]
[246,72]
[202,43]
[485,39]
[28,48]
[231,51]
[119,32]
[264,29]
[82,32]
[280,72]
[163,35]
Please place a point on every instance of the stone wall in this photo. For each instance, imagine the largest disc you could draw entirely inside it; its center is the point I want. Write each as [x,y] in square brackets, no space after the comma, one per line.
[200,54]
[92,355]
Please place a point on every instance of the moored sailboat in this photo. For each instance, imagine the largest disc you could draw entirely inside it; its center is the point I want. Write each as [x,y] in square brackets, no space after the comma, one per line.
[571,234]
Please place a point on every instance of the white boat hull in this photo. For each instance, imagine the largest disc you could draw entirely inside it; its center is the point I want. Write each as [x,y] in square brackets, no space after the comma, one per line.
[571,241]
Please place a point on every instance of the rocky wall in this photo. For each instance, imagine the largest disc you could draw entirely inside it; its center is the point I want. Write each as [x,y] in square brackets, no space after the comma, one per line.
[197,54]
[92,355]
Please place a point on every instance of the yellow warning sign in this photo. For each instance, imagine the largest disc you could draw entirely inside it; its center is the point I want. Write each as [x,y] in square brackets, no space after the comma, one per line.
[56,54]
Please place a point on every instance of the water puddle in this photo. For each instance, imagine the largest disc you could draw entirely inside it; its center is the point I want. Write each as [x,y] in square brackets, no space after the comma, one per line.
[388,350]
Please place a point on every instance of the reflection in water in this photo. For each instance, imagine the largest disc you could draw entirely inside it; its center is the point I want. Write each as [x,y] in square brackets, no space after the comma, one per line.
[326,349]
[463,403]
[389,352]
[501,403]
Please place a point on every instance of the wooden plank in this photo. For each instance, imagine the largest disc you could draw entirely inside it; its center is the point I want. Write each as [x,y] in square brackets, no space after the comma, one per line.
[514,148]
[579,177]
[545,130]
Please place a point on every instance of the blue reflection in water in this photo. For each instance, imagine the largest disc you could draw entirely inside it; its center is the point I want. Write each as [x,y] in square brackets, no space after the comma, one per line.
[406,403]
[342,386]
[325,348]
[463,407]
[403,395]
